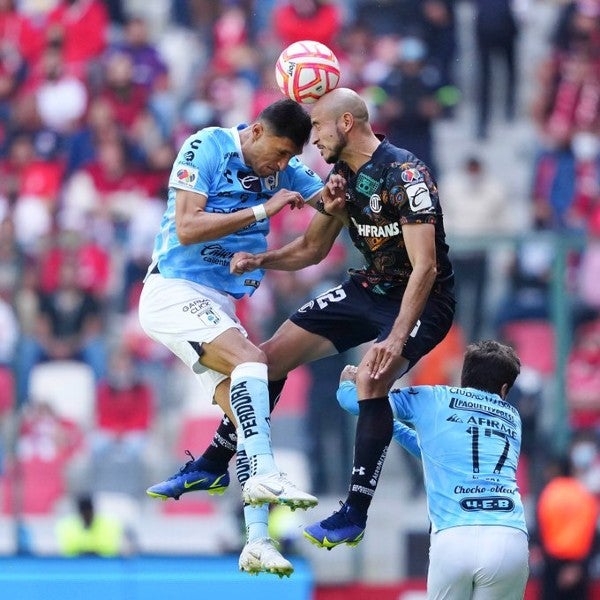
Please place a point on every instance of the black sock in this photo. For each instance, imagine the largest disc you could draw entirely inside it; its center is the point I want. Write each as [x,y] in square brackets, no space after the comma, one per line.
[275,389]
[373,434]
[223,445]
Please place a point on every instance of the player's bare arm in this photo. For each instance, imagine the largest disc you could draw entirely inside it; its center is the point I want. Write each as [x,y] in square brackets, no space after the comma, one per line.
[308,249]
[195,225]
[420,245]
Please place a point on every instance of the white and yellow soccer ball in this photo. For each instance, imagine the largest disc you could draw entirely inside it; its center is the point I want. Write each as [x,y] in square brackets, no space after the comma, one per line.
[306,70]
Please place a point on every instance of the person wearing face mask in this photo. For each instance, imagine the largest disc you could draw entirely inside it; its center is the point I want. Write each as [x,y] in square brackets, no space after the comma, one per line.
[567,514]
[565,187]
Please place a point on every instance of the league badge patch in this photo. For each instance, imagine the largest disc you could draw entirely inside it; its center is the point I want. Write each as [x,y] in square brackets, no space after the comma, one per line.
[411,176]
[187,176]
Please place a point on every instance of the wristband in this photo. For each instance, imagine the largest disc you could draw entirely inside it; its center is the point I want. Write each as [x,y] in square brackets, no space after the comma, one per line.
[260,213]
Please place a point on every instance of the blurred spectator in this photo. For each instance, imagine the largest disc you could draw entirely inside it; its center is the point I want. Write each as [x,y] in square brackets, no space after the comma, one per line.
[68,327]
[529,276]
[127,99]
[296,20]
[583,379]
[527,395]
[567,514]
[12,260]
[124,408]
[148,65]
[565,187]
[568,97]
[52,98]
[496,34]
[411,107]
[99,125]
[88,533]
[476,205]
[588,273]
[232,52]
[395,17]
[80,29]
[439,35]
[103,195]
[92,261]
[9,331]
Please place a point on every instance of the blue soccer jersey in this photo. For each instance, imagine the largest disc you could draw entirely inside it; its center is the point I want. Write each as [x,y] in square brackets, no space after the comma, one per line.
[210,162]
[470,442]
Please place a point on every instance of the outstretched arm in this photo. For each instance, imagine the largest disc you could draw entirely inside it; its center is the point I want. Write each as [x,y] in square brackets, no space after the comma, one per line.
[308,249]
[405,436]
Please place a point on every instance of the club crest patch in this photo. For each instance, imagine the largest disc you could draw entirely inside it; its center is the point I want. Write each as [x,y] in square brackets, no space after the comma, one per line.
[375,203]
[271,182]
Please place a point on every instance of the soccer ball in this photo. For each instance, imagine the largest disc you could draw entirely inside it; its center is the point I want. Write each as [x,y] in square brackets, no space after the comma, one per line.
[306,70]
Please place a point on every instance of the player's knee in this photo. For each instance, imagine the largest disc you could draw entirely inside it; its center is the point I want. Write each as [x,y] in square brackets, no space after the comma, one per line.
[369,387]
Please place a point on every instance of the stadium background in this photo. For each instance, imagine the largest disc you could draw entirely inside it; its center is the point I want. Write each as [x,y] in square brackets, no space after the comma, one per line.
[86,142]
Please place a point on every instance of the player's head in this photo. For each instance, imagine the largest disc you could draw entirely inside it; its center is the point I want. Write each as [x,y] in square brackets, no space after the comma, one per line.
[280,131]
[490,366]
[333,117]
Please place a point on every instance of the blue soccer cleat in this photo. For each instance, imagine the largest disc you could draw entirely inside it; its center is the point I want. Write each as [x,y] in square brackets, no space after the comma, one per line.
[345,526]
[190,478]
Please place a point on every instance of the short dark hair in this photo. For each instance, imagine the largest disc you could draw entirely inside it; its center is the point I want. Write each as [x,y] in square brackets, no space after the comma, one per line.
[488,365]
[286,118]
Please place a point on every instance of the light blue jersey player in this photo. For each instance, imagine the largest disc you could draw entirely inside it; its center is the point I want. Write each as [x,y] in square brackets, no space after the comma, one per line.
[224,186]
[468,439]
[211,163]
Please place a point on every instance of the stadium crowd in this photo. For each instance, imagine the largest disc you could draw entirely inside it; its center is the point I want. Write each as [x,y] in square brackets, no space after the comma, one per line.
[97,95]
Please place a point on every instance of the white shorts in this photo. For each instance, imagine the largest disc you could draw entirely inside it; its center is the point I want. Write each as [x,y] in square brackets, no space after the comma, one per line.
[478,562]
[183,315]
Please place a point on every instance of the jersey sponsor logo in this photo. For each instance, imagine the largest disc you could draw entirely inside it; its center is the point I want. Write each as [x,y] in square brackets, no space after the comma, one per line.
[454,419]
[271,182]
[204,311]
[418,196]
[241,403]
[375,203]
[366,185]
[249,181]
[411,176]
[493,424]
[492,503]
[377,231]
[187,176]
[473,405]
[216,254]
[189,156]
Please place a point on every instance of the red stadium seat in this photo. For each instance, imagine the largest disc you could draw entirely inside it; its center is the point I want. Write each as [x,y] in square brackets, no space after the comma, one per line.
[534,342]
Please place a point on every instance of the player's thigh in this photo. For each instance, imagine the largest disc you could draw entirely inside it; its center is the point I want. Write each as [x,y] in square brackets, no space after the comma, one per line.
[184,317]
[450,573]
[503,564]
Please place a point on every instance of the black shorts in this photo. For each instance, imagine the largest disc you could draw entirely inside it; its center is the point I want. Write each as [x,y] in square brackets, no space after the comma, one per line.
[350,315]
